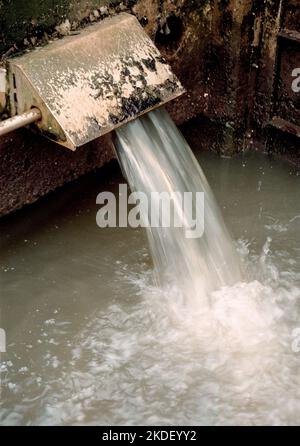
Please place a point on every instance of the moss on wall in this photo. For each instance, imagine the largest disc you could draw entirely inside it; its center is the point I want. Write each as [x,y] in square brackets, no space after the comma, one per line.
[19,18]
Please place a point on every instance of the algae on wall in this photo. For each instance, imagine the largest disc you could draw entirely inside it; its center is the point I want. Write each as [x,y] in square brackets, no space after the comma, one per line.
[19,18]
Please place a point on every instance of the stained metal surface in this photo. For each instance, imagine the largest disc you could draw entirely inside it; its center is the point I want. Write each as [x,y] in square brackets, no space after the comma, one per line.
[88,84]
[3,88]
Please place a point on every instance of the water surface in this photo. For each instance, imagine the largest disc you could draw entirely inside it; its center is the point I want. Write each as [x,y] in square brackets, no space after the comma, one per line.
[91,340]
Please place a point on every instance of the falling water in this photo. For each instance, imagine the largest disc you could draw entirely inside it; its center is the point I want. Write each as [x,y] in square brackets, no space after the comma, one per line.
[155,157]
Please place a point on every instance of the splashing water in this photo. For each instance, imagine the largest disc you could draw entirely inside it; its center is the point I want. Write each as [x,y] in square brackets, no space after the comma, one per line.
[201,278]
[155,157]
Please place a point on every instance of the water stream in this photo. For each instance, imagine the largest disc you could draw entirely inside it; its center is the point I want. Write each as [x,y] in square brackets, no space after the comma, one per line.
[156,157]
[92,339]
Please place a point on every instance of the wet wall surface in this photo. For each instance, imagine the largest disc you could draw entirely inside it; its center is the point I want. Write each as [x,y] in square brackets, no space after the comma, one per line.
[21,20]
[31,166]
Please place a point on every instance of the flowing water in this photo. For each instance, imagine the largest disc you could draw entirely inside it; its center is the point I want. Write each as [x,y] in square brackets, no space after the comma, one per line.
[91,339]
[155,157]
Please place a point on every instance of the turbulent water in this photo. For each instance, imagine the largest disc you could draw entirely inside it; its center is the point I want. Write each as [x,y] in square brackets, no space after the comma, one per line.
[155,157]
[91,338]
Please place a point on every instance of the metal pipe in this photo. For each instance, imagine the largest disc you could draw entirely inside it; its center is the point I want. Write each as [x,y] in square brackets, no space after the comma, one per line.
[18,121]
